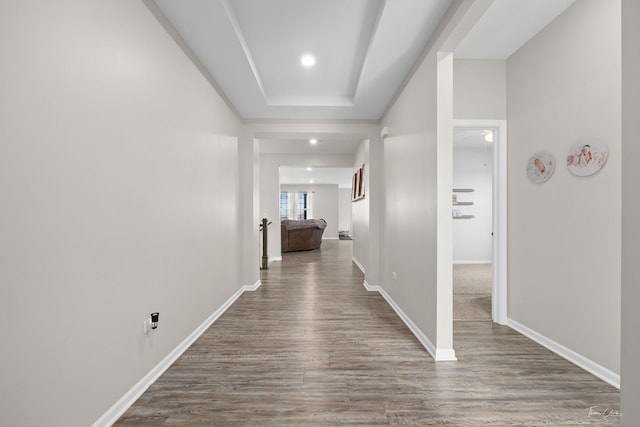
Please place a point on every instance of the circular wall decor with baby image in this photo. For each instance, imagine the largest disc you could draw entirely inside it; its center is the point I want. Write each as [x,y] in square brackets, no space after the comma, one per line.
[541,166]
[587,156]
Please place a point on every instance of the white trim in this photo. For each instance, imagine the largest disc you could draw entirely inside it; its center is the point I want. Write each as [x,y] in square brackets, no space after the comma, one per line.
[438,354]
[330,238]
[568,354]
[274,258]
[500,287]
[355,261]
[370,288]
[120,407]
[445,355]
[473,262]
[251,288]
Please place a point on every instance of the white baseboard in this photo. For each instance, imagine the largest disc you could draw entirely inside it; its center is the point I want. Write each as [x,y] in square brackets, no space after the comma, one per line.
[120,407]
[251,288]
[275,258]
[370,288]
[573,357]
[360,266]
[473,262]
[330,238]
[439,355]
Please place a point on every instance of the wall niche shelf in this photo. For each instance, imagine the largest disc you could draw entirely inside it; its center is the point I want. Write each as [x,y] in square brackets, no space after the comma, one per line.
[456,214]
[463,216]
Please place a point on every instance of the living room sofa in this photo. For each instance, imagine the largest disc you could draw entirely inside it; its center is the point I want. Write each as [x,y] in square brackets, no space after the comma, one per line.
[302,234]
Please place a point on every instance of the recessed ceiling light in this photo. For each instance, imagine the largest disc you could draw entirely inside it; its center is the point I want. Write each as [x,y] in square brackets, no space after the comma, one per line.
[310,181]
[308,60]
[309,169]
[313,141]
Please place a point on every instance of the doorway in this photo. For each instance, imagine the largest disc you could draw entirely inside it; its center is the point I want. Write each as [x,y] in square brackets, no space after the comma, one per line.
[472,212]
[479,220]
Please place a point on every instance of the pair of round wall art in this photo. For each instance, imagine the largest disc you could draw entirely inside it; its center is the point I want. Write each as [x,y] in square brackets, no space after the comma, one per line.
[584,158]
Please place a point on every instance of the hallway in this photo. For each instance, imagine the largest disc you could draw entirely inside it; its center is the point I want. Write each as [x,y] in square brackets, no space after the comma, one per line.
[311,347]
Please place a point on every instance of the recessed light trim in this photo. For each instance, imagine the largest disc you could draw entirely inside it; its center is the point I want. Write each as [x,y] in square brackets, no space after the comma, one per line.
[308,60]
[313,141]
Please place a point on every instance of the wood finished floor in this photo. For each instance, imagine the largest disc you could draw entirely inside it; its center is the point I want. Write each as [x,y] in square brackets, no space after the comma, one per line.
[311,347]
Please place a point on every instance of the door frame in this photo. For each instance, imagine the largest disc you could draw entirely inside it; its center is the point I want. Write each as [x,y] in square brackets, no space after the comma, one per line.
[499,300]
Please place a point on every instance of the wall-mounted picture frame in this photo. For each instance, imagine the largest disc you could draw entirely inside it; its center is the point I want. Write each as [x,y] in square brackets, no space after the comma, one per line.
[541,166]
[587,156]
[357,191]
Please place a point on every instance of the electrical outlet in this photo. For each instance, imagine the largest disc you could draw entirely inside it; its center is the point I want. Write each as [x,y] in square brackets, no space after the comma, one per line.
[146,325]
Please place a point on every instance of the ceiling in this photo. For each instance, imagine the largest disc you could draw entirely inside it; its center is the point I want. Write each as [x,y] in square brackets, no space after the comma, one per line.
[252,49]
[364,49]
[328,144]
[463,138]
[323,175]
[507,25]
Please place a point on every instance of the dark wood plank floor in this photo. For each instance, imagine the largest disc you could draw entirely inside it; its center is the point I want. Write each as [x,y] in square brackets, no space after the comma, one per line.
[311,347]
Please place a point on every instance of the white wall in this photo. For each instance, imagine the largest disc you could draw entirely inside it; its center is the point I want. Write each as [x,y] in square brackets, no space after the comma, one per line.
[410,180]
[479,89]
[344,210]
[630,370]
[565,234]
[118,199]
[324,202]
[472,241]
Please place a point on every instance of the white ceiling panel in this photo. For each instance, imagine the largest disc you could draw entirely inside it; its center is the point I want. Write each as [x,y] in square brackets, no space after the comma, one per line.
[251,48]
[364,48]
[336,32]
